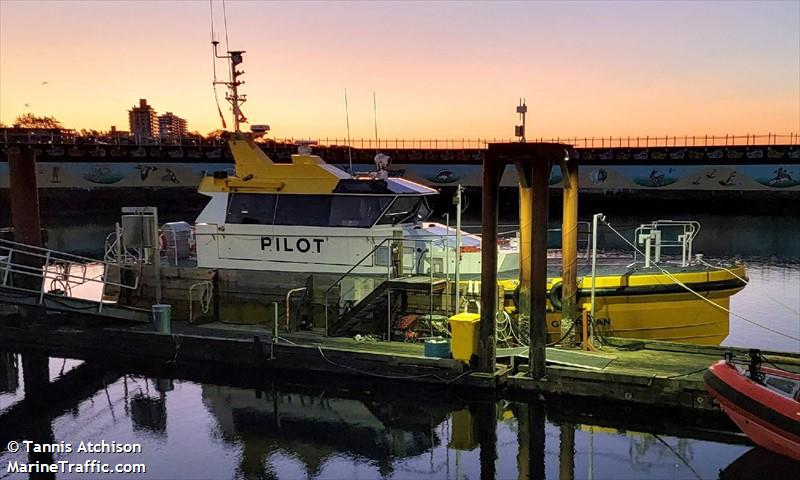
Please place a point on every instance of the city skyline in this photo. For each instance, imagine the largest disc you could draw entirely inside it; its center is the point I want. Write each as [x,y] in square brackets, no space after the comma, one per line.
[439,70]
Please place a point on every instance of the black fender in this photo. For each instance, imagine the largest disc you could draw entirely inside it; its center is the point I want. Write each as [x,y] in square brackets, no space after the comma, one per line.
[556,294]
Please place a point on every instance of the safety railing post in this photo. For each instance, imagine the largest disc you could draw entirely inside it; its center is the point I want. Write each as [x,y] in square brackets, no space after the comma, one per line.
[44,278]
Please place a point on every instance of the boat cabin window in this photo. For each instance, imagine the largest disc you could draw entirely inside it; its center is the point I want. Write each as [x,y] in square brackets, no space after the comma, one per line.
[251,209]
[357,210]
[406,209]
[361,211]
[308,210]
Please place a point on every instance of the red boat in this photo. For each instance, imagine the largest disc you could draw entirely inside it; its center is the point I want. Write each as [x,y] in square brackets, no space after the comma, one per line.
[764,402]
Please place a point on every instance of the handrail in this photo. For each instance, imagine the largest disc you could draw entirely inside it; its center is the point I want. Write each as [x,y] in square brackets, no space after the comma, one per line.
[63,271]
[648,233]
[428,239]
[348,272]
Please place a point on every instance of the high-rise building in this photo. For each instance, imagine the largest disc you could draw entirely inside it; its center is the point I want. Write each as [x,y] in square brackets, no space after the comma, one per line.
[171,126]
[143,120]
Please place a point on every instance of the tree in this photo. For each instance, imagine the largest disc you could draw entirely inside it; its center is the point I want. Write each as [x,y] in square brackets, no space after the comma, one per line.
[29,120]
[215,134]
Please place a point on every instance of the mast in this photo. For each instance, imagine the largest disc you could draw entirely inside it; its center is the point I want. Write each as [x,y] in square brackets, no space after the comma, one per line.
[232,96]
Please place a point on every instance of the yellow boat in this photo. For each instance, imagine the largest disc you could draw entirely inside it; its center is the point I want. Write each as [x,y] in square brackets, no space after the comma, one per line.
[651,304]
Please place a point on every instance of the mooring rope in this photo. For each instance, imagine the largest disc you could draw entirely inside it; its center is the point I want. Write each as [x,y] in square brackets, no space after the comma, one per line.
[390,377]
[766,294]
[698,295]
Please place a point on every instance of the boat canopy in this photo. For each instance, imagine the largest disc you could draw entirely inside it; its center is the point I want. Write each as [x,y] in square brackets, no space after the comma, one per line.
[387,186]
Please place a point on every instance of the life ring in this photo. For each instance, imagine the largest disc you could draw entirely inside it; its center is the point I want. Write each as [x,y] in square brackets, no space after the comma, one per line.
[555,295]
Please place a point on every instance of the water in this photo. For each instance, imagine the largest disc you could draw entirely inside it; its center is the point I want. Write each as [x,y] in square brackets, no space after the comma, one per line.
[201,425]
[336,428]
[771,299]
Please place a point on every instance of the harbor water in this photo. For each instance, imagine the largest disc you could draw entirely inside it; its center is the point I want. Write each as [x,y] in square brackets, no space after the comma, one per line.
[198,425]
[335,428]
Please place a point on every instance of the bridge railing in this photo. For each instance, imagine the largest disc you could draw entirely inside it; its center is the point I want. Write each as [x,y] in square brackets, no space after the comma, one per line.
[435,143]
[579,142]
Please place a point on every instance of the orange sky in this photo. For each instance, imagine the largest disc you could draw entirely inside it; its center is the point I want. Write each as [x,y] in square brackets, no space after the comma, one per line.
[440,70]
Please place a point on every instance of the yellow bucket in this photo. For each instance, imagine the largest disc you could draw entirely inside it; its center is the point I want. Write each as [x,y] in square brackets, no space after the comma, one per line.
[464,329]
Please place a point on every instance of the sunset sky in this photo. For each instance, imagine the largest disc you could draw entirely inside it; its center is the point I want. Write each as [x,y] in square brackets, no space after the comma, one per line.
[439,69]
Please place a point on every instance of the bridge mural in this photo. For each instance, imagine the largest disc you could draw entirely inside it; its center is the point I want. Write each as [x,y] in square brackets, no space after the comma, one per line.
[745,168]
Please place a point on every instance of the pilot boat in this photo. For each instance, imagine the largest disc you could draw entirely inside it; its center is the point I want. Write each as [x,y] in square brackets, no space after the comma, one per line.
[304,216]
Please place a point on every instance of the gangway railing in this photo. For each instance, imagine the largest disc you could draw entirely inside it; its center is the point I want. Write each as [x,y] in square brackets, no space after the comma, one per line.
[666,234]
[59,273]
[400,261]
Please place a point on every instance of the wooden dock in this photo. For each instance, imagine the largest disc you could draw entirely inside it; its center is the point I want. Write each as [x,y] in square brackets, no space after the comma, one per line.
[639,372]
[647,372]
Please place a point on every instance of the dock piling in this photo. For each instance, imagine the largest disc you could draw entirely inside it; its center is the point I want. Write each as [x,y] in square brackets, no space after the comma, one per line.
[492,171]
[538,279]
[25,219]
[569,244]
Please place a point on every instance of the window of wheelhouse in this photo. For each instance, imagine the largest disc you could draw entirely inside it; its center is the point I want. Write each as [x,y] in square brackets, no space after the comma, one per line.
[307,210]
[251,208]
[358,211]
[406,209]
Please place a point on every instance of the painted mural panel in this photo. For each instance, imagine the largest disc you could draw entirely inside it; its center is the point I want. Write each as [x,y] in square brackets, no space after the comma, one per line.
[771,177]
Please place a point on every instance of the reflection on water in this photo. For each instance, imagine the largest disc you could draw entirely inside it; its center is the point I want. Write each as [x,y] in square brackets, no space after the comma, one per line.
[342,429]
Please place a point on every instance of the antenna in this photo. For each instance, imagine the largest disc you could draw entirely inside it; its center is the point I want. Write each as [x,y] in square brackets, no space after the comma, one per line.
[225,20]
[234,58]
[233,97]
[375,116]
[519,130]
[349,145]
[214,65]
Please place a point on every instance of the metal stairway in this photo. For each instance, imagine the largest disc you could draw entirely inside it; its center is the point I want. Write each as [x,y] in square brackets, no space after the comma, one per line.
[58,281]
[370,312]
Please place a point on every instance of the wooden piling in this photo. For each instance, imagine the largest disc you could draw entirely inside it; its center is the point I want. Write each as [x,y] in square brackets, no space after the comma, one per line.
[492,171]
[24,196]
[525,228]
[538,283]
[569,245]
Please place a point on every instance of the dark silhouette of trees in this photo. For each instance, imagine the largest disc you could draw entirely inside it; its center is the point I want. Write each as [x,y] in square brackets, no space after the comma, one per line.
[29,120]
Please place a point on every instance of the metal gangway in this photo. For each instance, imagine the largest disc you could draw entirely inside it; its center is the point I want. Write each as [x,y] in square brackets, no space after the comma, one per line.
[59,281]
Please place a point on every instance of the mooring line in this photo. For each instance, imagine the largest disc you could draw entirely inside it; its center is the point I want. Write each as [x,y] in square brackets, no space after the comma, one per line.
[766,294]
[390,377]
